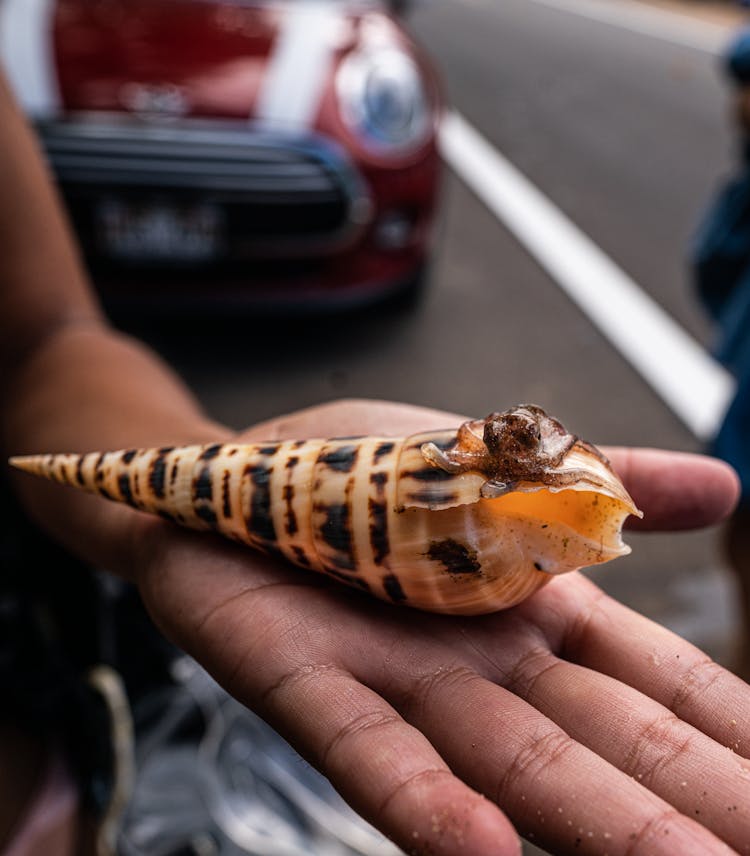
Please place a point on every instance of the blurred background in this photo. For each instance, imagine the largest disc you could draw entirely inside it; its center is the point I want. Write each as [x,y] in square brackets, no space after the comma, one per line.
[463,204]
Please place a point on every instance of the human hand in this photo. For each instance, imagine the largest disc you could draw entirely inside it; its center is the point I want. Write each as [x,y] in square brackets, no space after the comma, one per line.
[592,728]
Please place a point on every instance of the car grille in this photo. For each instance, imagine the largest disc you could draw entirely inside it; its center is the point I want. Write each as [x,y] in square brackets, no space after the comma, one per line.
[278,195]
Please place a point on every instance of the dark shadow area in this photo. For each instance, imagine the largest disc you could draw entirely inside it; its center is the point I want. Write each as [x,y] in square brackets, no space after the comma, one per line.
[194,339]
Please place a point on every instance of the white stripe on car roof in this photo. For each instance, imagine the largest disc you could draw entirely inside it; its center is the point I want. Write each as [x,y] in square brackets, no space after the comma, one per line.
[27,54]
[299,67]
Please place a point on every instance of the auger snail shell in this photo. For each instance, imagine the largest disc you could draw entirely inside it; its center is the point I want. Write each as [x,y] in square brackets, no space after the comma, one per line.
[460,521]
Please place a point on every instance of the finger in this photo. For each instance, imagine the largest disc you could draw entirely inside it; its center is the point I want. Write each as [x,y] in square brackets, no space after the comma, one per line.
[238,619]
[558,793]
[385,768]
[586,626]
[675,490]
[519,758]
[637,735]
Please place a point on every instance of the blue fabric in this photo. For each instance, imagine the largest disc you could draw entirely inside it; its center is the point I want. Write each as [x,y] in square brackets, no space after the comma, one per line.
[737,57]
[733,344]
[732,443]
[721,250]
[721,264]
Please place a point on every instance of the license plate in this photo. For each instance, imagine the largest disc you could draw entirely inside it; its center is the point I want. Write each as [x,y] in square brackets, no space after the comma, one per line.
[159,232]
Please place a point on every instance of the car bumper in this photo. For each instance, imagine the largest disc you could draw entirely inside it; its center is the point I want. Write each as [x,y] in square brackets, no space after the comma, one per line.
[232,192]
[207,213]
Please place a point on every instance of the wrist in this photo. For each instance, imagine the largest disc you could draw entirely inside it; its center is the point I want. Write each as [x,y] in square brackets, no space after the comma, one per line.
[89,388]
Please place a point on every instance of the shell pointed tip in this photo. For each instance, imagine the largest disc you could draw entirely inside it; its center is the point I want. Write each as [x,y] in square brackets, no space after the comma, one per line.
[26,463]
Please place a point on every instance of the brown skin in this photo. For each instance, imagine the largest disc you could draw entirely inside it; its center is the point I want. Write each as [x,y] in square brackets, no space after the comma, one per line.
[741,108]
[577,720]
[737,546]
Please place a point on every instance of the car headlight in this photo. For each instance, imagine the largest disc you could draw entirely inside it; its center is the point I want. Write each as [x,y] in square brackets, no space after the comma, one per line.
[382,98]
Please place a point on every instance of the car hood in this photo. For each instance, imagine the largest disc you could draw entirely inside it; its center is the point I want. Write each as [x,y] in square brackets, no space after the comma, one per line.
[271,62]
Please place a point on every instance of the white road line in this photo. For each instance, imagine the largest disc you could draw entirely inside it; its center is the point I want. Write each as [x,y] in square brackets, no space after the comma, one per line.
[691,383]
[650,21]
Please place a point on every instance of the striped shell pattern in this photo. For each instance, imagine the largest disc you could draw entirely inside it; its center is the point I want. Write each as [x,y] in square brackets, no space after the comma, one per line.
[459,521]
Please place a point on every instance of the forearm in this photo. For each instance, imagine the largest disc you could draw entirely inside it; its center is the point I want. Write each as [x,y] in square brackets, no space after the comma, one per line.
[68,381]
[42,282]
[85,390]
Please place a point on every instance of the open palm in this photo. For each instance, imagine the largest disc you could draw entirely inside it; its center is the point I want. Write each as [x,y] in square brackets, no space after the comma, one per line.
[593,729]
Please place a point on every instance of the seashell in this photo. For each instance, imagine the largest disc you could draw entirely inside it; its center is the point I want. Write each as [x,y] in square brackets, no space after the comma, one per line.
[462,521]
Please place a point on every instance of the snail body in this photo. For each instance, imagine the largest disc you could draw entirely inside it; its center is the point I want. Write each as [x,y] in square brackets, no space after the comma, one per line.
[461,521]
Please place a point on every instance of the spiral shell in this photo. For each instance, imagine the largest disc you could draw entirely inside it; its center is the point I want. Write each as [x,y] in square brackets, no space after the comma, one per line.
[459,521]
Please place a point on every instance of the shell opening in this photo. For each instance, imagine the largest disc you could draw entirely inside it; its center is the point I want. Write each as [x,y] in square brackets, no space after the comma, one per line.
[595,518]
[491,554]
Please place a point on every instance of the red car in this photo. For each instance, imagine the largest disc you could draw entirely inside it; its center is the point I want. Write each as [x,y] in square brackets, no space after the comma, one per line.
[234,150]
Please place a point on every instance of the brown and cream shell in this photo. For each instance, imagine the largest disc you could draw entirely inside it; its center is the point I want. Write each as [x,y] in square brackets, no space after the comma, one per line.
[463,521]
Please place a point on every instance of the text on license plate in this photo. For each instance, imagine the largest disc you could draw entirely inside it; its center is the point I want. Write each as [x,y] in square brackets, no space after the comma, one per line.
[159,232]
